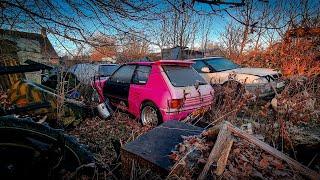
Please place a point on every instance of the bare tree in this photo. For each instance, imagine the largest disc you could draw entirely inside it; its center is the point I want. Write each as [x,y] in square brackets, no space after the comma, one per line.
[231,40]
[107,49]
[177,26]
[132,48]
[76,21]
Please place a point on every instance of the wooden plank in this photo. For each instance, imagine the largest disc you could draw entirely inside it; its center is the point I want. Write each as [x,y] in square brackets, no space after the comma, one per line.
[296,165]
[222,161]
[213,131]
[216,151]
[20,69]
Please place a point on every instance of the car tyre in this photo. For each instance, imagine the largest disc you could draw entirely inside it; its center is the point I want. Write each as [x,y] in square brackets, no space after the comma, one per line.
[150,115]
[24,135]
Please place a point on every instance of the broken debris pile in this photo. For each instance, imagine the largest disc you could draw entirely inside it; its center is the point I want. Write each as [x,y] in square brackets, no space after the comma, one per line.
[30,99]
[235,154]
[190,156]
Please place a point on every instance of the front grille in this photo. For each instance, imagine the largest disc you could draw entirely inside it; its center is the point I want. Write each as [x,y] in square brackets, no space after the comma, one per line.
[273,77]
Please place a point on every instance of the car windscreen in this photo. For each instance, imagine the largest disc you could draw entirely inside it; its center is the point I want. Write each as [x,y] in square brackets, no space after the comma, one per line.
[182,76]
[107,70]
[222,64]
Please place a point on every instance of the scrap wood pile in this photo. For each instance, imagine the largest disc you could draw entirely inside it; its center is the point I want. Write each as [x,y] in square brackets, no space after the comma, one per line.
[290,122]
[235,154]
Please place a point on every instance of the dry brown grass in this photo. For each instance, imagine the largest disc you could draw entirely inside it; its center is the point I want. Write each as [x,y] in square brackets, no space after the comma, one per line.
[282,121]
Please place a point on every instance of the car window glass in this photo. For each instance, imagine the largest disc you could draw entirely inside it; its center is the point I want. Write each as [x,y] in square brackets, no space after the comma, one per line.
[123,74]
[182,76]
[107,70]
[198,65]
[222,64]
[141,75]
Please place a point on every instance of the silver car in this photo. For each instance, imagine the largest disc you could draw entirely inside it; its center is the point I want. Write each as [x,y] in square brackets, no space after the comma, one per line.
[219,70]
[86,72]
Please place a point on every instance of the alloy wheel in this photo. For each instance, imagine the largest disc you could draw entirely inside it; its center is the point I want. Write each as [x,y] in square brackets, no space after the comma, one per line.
[149,116]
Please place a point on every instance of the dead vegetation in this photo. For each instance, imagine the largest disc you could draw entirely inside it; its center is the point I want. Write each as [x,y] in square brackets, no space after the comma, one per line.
[101,136]
[291,126]
[235,154]
[104,139]
[289,123]
[303,61]
[296,106]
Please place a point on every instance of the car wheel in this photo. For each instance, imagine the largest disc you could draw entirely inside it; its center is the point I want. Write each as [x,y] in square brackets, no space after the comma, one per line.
[150,115]
[34,151]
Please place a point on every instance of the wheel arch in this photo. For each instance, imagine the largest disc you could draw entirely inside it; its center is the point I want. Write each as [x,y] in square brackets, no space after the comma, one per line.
[146,101]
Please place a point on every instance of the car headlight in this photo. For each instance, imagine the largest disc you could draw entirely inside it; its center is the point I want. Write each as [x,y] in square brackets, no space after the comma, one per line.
[260,80]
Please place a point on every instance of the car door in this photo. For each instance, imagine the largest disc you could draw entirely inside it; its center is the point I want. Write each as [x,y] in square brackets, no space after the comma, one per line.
[118,85]
[138,88]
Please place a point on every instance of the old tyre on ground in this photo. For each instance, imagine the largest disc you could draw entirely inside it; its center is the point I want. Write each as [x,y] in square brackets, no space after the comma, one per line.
[150,114]
[33,151]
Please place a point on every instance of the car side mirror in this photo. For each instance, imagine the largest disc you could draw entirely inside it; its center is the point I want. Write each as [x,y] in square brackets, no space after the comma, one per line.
[205,70]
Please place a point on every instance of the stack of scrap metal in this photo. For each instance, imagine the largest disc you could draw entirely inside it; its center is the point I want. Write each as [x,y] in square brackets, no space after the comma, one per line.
[26,97]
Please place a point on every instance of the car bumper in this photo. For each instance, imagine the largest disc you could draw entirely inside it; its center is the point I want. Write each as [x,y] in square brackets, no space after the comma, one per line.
[181,114]
[265,89]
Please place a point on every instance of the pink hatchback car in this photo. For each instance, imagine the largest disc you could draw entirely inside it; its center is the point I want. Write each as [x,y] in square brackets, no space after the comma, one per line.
[156,91]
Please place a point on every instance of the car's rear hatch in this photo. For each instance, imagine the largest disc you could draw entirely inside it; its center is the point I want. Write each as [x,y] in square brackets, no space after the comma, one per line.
[195,98]
[188,86]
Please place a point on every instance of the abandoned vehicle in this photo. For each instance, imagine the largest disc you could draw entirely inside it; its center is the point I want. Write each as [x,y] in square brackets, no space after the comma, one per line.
[219,70]
[156,91]
[85,72]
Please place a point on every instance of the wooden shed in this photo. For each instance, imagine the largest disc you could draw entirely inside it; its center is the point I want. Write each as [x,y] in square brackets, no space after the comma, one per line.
[17,47]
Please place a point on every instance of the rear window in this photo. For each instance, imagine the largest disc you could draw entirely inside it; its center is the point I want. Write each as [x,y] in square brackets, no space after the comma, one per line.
[182,76]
